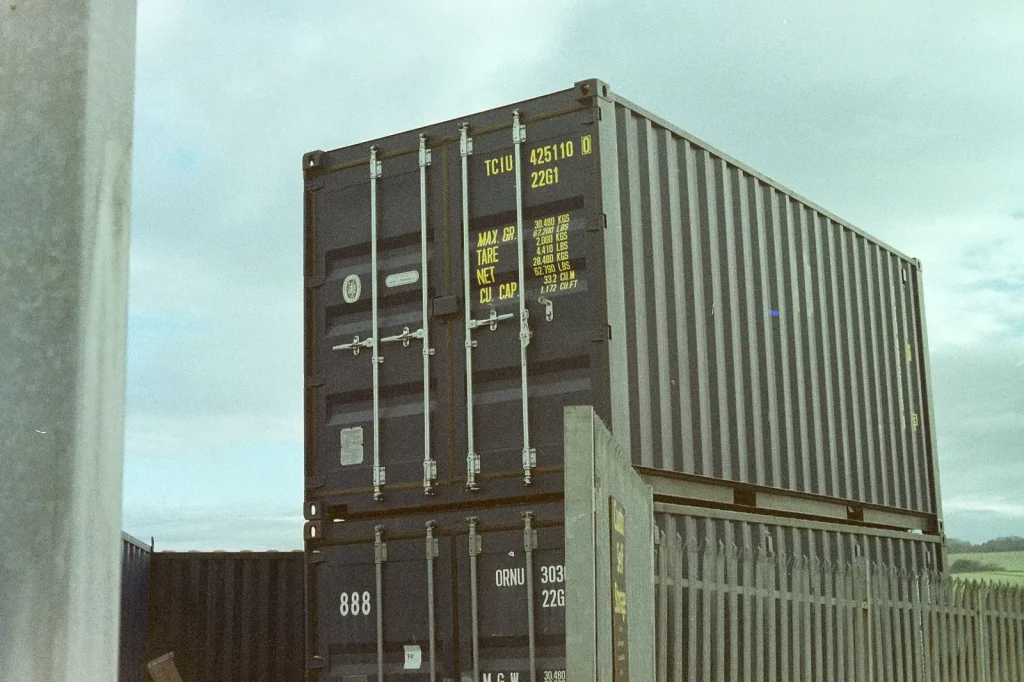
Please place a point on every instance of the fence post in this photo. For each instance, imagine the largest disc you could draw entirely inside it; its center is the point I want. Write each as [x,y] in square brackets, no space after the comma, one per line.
[869,635]
[980,644]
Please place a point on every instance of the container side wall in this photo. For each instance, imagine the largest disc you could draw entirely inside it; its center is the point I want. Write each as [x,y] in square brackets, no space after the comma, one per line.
[134,630]
[229,616]
[767,342]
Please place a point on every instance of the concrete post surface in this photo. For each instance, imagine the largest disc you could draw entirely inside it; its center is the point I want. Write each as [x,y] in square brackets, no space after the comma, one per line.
[598,469]
[66,97]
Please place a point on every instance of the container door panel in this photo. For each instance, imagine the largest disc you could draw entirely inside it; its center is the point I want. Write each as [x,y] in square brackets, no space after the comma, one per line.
[407,334]
[504,573]
[559,324]
[349,602]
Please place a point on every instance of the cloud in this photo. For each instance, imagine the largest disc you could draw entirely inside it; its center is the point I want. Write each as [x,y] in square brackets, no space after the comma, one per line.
[974,280]
[980,420]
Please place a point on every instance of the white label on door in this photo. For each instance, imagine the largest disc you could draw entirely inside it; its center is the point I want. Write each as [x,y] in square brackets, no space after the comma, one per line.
[352,445]
[413,657]
[351,288]
[402,278]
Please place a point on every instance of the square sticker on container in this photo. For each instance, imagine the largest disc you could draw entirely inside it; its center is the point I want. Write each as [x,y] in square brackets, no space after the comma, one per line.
[352,446]
[413,657]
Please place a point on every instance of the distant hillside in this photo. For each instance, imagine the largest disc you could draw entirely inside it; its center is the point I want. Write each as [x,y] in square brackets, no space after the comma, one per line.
[1013,543]
[1001,567]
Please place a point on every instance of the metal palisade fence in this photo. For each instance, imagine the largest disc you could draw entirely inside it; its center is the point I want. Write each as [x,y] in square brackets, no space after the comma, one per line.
[725,613]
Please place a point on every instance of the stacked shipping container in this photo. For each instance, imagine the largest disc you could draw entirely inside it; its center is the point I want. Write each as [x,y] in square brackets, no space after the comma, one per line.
[136,558]
[228,616]
[468,280]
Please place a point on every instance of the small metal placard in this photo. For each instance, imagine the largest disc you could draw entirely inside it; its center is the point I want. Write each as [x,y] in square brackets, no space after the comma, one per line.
[352,445]
[400,279]
[620,626]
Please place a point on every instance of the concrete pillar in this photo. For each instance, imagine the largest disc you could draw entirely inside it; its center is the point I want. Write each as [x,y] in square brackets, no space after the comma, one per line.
[66,95]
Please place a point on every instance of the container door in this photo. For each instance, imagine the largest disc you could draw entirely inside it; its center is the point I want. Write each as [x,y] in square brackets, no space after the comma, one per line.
[530,324]
[375,333]
[512,606]
[377,602]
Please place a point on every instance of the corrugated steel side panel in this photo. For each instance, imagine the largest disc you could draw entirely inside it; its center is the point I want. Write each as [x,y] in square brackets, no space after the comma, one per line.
[768,342]
[229,615]
[135,563]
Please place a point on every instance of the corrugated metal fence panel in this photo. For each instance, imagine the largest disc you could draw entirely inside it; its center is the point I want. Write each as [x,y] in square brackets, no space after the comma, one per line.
[229,616]
[135,563]
[749,613]
[769,342]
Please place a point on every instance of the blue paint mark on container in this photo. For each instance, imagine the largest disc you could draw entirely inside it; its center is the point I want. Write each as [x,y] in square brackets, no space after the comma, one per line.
[773,313]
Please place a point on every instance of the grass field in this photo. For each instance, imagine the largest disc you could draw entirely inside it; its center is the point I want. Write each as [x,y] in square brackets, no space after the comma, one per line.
[1010,563]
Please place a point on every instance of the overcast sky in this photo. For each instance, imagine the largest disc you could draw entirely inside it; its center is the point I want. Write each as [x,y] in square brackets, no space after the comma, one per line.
[906,118]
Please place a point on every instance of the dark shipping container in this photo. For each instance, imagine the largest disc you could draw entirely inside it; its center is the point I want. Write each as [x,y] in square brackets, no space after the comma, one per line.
[229,616]
[134,630]
[467,280]
[428,589]
[461,576]
[485,593]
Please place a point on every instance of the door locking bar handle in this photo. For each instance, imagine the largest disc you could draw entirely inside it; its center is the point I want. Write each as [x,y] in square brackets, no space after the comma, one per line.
[355,346]
[405,337]
[492,320]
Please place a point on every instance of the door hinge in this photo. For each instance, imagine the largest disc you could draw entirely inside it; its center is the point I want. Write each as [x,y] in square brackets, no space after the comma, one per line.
[476,544]
[601,334]
[376,167]
[529,534]
[313,282]
[314,380]
[425,155]
[433,544]
[518,128]
[465,141]
[314,482]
